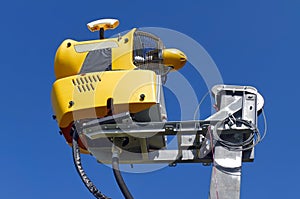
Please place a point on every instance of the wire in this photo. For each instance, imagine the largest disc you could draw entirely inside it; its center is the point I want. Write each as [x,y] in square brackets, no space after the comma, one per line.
[77,162]
[120,181]
[265,124]
[242,145]
[198,107]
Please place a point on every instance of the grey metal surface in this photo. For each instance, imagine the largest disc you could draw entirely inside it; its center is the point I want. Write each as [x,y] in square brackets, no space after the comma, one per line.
[226,174]
[154,157]
[193,142]
[97,60]
[189,136]
[227,164]
[196,141]
[145,129]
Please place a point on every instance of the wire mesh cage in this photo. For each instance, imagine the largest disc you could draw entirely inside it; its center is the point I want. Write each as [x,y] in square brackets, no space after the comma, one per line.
[147,52]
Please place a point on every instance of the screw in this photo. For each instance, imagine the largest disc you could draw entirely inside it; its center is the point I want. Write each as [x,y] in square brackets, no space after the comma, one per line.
[142,97]
[71,103]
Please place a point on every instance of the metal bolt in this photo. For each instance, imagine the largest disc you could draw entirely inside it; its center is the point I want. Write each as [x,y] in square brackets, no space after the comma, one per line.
[71,103]
[142,97]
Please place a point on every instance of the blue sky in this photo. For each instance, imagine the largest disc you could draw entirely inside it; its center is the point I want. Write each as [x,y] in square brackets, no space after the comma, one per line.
[252,43]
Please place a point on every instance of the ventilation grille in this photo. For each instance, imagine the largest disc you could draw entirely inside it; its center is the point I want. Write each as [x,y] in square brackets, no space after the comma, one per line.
[86,83]
[147,53]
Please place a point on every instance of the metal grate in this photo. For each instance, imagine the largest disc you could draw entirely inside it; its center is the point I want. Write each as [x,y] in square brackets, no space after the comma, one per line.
[86,83]
[147,52]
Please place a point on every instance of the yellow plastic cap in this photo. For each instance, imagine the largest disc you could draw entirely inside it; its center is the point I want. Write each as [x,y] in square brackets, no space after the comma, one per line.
[174,58]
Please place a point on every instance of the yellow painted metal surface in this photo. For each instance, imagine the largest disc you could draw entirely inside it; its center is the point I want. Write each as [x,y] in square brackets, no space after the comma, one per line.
[69,59]
[174,58]
[85,96]
[67,62]
[123,55]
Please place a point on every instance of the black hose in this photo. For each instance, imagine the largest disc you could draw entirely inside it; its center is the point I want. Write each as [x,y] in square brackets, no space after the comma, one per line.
[77,162]
[119,178]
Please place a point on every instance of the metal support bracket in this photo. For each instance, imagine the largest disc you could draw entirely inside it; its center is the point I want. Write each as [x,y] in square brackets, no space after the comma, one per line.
[227,164]
[196,141]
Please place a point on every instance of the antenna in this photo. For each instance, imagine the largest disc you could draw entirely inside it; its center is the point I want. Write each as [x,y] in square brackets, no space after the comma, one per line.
[102,25]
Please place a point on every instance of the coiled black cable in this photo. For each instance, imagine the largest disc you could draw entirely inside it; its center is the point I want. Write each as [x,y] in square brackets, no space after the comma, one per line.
[77,162]
[245,144]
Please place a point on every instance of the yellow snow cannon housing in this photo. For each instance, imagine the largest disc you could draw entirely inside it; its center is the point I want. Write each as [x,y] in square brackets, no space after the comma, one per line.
[128,70]
[89,73]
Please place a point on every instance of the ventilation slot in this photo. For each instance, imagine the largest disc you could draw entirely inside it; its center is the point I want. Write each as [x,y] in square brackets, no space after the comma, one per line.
[86,83]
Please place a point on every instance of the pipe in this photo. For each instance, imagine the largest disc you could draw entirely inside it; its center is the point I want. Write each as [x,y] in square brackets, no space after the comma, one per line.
[116,170]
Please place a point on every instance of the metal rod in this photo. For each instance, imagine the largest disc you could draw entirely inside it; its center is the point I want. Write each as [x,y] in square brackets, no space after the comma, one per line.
[101,33]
